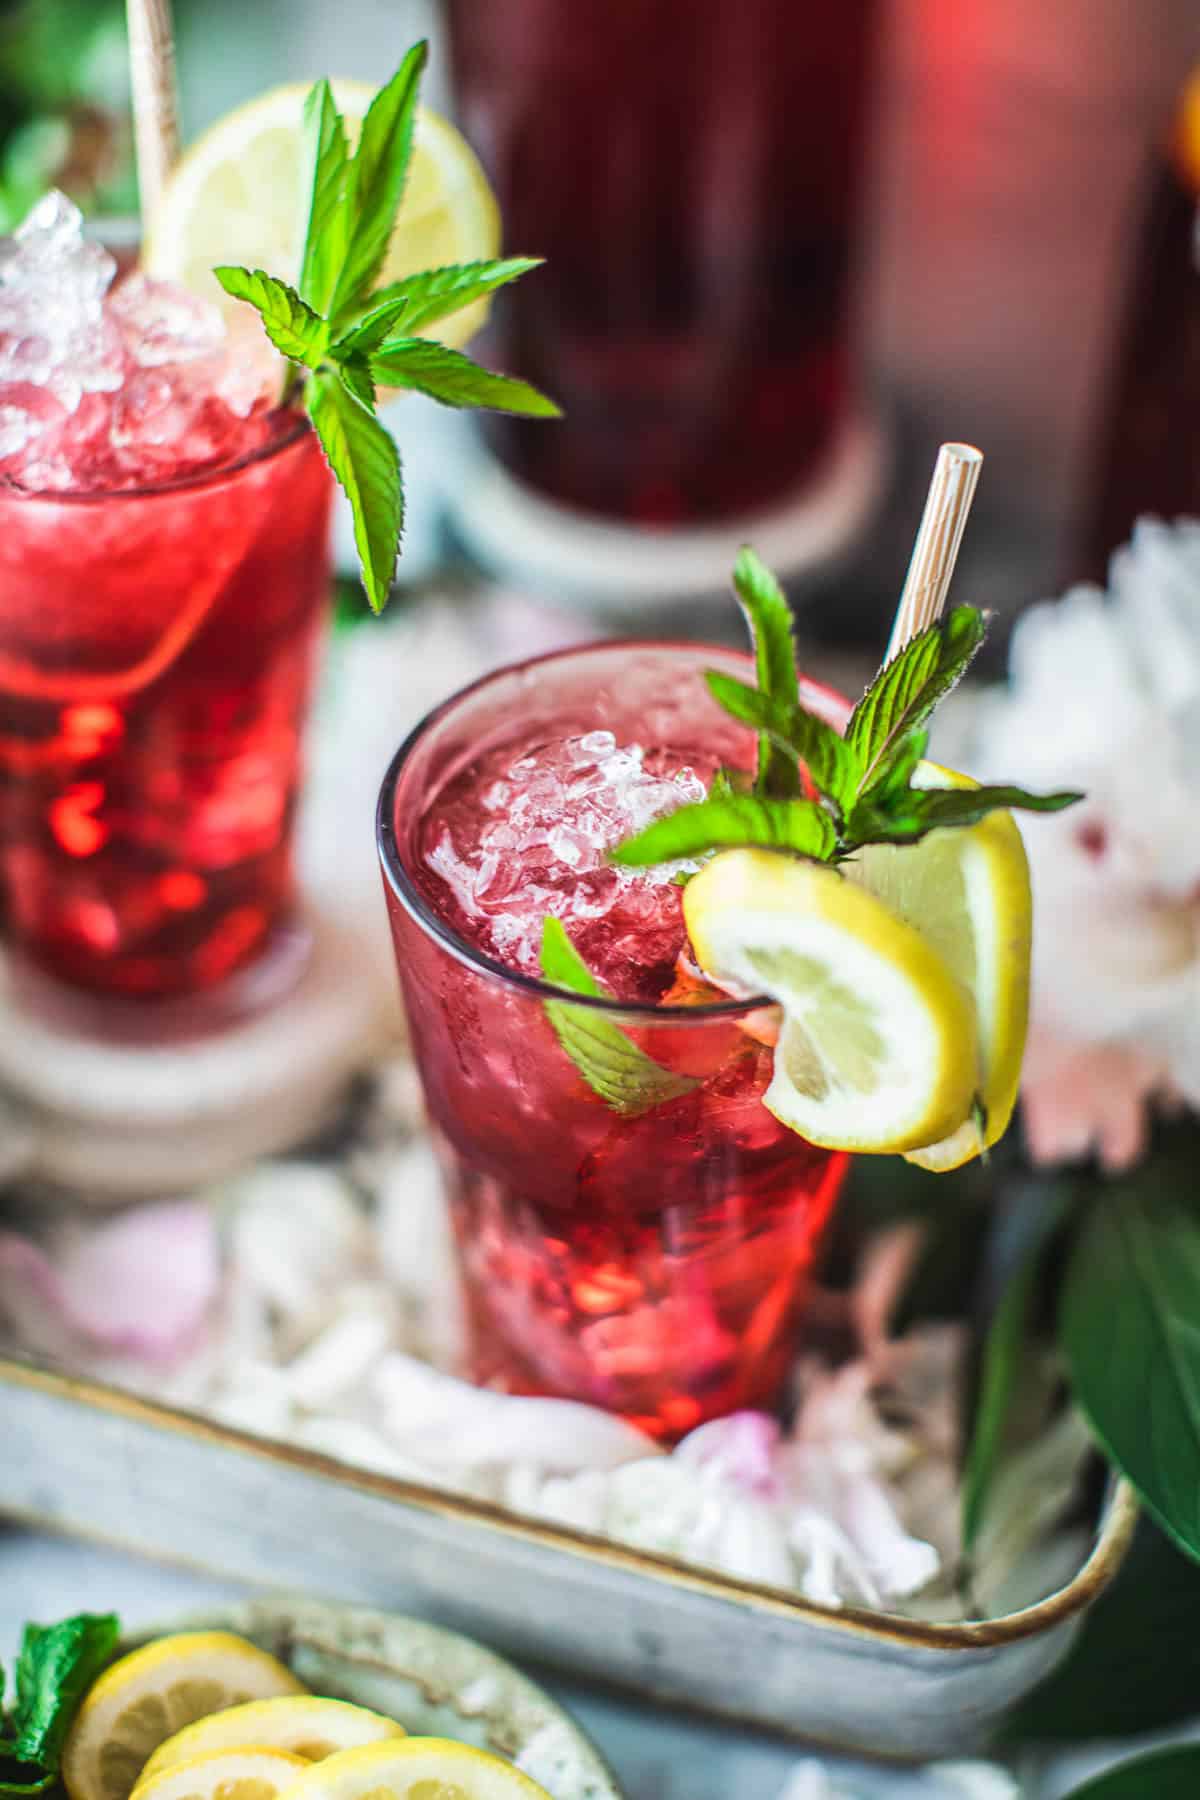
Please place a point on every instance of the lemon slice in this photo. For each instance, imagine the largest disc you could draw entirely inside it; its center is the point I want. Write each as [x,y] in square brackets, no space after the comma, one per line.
[238,195]
[877,1047]
[250,1773]
[967,892]
[155,1691]
[302,1723]
[415,1768]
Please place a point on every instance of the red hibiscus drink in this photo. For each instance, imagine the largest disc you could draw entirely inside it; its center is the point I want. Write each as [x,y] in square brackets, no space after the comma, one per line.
[635,1228]
[163,581]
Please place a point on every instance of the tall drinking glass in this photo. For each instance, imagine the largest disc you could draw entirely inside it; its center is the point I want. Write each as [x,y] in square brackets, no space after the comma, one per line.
[157,649]
[643,1245]
[692,172]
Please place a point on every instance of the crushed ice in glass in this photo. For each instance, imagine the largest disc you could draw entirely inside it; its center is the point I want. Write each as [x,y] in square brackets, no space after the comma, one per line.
[524,832]
[105,387]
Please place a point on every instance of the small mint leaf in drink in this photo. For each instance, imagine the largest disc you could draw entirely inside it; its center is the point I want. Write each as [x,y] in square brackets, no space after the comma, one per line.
[375,180]
[905,692]
[355,372]
[296,331]
[328,220]
[728,822]
[452,378]
[907,818]
[769,617]
[434,294]
[613,1066]
[373,329]
[830,761]
[366,462]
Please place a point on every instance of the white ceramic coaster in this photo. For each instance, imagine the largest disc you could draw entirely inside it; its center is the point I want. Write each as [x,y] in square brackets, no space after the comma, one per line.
[620,570]
[107,1120]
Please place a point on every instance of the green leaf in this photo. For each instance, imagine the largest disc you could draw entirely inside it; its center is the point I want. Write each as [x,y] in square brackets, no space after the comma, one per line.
[1130,1328]
[434,294]
[769,617]
[325,234]
[367,464]
[1133,1666]
[612,1065]
[1005,1364]
[18,1782]
[293,328]
[829,760]
[907,689]
[893,785]
[727,822]
[452,378]
[375,181]
[905,816]
[1163,1775]
[372,329]
[56,1666]
[355,372]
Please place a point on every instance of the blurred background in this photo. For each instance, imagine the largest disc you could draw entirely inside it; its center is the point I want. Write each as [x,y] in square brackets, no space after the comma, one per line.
[909,220]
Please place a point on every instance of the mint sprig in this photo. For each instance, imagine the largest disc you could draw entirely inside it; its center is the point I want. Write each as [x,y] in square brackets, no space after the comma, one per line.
[345,338]
[613,1066]
[56,1666]
[858,789]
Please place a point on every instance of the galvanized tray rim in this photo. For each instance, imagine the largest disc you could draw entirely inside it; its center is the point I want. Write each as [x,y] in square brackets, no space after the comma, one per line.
[1102,1563]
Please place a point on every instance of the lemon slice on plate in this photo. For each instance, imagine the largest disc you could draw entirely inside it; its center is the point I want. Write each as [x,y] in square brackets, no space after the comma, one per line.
[246,1774]
[238,195]
[415,1768]
[877,1048]
[302,1723]
[966,891]
[154,1692]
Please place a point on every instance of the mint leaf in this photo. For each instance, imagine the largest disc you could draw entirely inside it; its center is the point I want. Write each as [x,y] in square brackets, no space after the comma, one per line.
[452,378]
[355,372]
[612,1065]
[436,293]
[56,1666]
[769,617]
[1172,1774]
[325,236]
[831,763]
[292,326]
[375,181]
[372,329]
[729,821]
[366,462]
[905,692]
[907,817]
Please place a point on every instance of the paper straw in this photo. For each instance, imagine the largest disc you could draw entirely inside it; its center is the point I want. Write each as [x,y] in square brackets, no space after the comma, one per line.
[951,491]
[155,108]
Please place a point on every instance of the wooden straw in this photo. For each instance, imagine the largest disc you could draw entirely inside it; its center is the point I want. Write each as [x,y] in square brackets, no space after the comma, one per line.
[951,491]
[155,108]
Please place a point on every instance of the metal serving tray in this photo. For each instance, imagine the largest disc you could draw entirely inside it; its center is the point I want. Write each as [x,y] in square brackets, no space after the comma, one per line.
[89,1460]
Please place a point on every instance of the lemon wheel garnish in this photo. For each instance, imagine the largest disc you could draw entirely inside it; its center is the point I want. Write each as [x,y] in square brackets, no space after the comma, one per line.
[302,1723]
[154,1692]
[249,1773]
[415,1768]
[877,1047]
[967,892]
[238,196]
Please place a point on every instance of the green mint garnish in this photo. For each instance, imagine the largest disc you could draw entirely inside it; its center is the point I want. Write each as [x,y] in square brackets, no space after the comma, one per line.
[853,790]
[769,618]
[612,1065]
[345,338]
[56,1666]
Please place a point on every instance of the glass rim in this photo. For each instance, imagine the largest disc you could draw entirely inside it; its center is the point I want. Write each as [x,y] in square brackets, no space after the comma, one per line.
[419,909]
[298,427]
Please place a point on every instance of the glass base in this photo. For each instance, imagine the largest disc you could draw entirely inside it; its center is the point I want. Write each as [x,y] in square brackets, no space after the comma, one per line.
[620,570]
[239,1074]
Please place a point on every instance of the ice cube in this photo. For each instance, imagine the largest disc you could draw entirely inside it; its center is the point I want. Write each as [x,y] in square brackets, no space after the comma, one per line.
[161,323]
[27,413]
